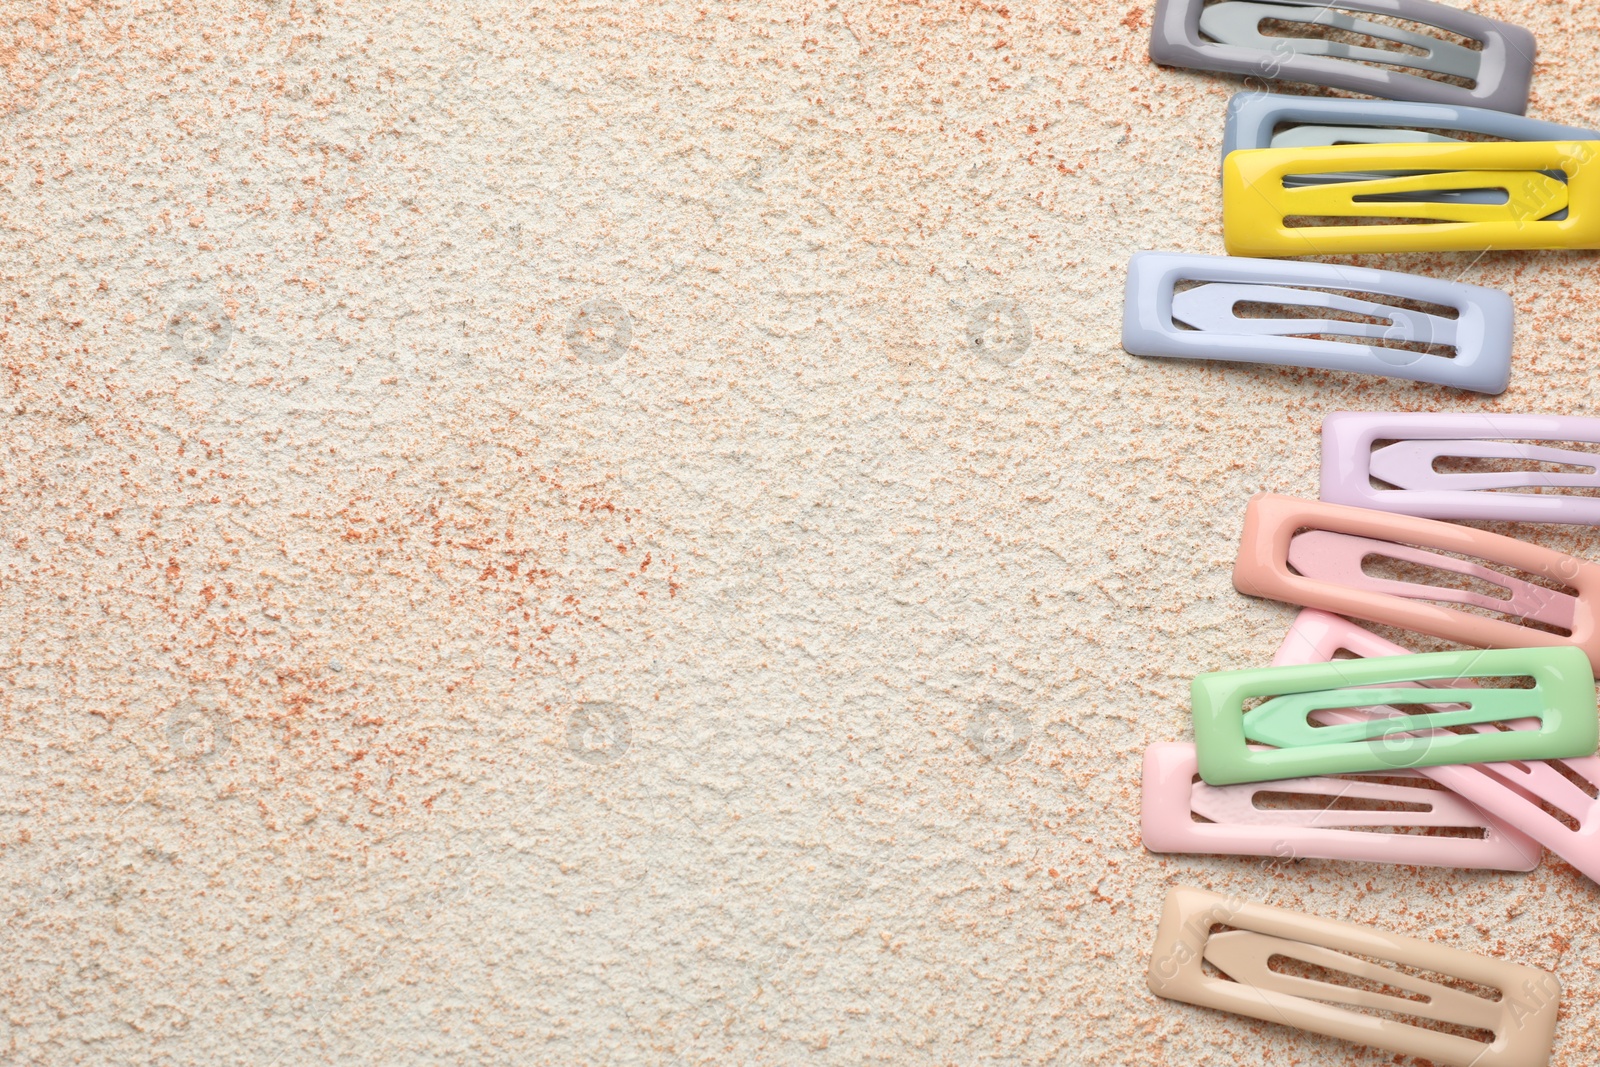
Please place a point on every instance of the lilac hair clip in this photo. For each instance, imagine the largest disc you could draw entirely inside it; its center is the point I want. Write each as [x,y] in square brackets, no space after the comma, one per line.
[1521,468]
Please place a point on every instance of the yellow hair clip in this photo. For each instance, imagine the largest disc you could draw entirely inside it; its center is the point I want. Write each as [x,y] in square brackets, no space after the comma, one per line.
[1426,197]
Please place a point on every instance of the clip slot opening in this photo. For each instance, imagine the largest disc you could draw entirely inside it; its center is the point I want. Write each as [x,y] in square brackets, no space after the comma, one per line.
[1295,967]
[1492,196]
[1447,464]
[1278,800]
[1272,798]
[1397,720]
[1524,202]
[1294,28]
[1554,812]
[1578,781]
[1570,816]
[1322,222]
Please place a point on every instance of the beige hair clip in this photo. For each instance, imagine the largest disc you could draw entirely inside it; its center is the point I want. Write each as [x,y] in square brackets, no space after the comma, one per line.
[1353,982]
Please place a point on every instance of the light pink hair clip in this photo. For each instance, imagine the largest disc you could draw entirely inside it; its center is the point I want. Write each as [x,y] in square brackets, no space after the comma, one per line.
[1398,816]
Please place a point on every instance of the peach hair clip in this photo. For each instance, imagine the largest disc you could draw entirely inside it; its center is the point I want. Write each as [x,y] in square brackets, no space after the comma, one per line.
[1353,982]
[1312,554]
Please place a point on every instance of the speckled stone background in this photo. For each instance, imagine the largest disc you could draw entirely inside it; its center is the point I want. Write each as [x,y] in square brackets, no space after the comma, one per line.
[577,533]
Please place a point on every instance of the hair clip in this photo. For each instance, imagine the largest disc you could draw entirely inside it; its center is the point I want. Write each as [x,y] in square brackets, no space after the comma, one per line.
[1356,983]
[1314,555]
[1277,120]
[1228,37]
[1555,803]
[1533,489]
[1388,719]
[1432,197]
[1318,315]
[1322,818]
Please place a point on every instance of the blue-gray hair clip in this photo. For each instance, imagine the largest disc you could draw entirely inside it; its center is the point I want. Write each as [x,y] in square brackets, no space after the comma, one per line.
[1278,120]
[1327,316]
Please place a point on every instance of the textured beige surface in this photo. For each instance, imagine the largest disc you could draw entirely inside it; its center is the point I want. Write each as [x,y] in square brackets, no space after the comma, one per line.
[558,533]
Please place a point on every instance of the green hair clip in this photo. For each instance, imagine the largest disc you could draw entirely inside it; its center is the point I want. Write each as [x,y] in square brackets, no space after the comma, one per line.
[1389,713]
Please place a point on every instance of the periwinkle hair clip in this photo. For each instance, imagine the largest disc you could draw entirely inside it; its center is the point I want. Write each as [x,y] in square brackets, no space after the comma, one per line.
[1369,715]
[1356,983]
[1278,120]
[1431,197]
[1228,37]
[1322,315]
[1533,480]
[1314,555]
[1397,816]
[1556,803]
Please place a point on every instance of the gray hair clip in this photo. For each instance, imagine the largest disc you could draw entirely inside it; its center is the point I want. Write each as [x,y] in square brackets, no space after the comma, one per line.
[1227,37]
[1277,120]
[1469,349]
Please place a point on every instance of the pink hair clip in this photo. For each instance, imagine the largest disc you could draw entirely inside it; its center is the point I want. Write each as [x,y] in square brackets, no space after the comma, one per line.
[1339,817]
[1554,802]
[1314,554]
